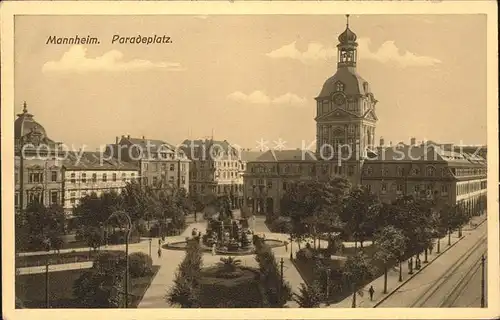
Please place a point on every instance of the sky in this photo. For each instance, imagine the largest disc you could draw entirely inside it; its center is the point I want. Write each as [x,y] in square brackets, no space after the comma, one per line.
[248,78]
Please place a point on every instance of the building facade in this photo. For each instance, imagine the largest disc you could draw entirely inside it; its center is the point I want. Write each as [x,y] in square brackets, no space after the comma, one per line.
[37,171]
[216,169]
[345,146]
[160,164]
[85,173]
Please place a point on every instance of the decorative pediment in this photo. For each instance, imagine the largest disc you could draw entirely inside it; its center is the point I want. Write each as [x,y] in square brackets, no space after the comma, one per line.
[370,115]
[36,188]
[35,167]
[337,114]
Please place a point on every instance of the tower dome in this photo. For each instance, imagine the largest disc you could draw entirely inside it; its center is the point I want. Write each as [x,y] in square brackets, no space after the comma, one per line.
[25,124]
[348,36]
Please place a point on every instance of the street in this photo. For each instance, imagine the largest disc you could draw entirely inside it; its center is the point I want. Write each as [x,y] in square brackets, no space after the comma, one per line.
[454,280]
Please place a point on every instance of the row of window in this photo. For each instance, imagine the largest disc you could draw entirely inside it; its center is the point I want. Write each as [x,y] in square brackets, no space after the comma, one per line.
[219,188]
[430,171]
[469,171]
[470,187]
[349,170]
[400,188]
[38,197]
[163,167]
[104,177]
[38,177]
[171,179]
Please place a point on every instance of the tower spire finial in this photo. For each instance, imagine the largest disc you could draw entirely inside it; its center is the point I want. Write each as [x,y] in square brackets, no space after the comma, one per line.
[347,17]
[25,107]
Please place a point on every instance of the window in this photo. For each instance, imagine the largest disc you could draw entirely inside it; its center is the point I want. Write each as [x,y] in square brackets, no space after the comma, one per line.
[35,177]
[399,188]
[124,177]
[53,176]
[171,179]
[415,171]
[73,178]
[383,187]
[261,182]
[339,86]
[104,177]
[399,171]
[155,181]
[218,189]
[430,171]
[94,177]
[351,129]
[16,199]
[368,187]
[369,171]
[146,167]
[114,176]
[84,178]
[172,167]
[417,188]
[385,172]
[53,197]
[132,176]
[269,185]
[183,167]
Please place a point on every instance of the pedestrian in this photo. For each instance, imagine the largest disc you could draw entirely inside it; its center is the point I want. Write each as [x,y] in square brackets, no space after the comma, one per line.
[431,247]
[159,253]
[159,242]
[213,249]
[371,291]
[286,246]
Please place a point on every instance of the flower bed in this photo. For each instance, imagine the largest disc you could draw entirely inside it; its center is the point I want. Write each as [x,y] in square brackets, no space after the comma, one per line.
[57,258]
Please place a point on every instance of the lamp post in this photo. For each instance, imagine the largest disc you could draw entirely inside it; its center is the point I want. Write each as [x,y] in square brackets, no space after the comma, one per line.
[282,276]
[129,227]
[47,262]
[291,248]
[483,260]
[150,240]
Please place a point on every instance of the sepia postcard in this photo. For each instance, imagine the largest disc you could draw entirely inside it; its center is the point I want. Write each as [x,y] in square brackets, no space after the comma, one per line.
[250,160]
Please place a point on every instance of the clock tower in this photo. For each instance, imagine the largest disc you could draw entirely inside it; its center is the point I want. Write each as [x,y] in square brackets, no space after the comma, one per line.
[345,116]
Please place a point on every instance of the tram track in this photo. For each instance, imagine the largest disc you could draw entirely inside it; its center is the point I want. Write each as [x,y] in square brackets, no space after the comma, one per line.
[424,299]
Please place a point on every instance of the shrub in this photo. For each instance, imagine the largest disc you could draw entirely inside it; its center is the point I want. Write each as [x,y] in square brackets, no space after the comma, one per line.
[140,264]
[281,225]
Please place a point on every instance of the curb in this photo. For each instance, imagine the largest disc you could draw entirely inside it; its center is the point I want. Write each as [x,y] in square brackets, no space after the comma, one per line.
[415,273]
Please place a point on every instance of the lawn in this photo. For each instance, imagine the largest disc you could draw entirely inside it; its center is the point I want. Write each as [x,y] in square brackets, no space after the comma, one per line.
[31,289]
[308,269]
[56,258]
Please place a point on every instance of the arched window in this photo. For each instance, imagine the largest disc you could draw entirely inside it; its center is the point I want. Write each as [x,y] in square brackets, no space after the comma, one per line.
[399,171]
[430,171]
[369,171]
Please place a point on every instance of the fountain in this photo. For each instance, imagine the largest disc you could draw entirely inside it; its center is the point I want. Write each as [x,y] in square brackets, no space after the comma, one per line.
[229,234]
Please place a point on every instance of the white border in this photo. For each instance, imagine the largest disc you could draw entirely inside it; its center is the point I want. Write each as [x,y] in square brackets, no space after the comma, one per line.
[9,9]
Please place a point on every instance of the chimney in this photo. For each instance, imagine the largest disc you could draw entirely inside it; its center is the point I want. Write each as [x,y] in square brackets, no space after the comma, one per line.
[382,142]
[390,143]
[413,141]
[117,140]
[128,136]
[143,138]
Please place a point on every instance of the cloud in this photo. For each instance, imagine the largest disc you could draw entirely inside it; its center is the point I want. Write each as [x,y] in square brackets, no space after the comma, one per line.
[75,60]
[259,97]
[388,52]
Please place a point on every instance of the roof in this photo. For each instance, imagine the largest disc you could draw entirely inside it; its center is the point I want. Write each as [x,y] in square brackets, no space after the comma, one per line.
[94,161]
[152,146]
[25,124]
[248,156]
[424,152]
[353,83]
[286,155]
[196,149]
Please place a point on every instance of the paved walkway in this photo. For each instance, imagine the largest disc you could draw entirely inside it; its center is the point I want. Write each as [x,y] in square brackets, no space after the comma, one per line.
[437,262]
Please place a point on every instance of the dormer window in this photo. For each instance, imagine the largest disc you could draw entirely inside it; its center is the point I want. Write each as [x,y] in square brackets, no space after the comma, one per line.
[365,87]
[339,86]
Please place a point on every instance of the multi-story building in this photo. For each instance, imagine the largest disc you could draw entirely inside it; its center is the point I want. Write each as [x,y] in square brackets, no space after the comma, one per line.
[93,172]
[160,164]
[345,138]
[216,168]
[429,171]
[37,163]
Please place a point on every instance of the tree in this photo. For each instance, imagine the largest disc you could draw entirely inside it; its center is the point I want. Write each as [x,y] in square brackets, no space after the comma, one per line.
[314,206]
[357,270]
[361,214]
[309,296]
[451,217]
[391,246]
[102,285]
[186,282]
[42,224]
[276,292]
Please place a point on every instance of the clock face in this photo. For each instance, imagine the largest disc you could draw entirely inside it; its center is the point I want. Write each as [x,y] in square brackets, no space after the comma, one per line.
[339,99]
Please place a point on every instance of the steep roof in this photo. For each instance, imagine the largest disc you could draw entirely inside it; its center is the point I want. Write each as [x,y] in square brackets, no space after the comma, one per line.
[249,156]
[94,161]
[285,155]
[354,84]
